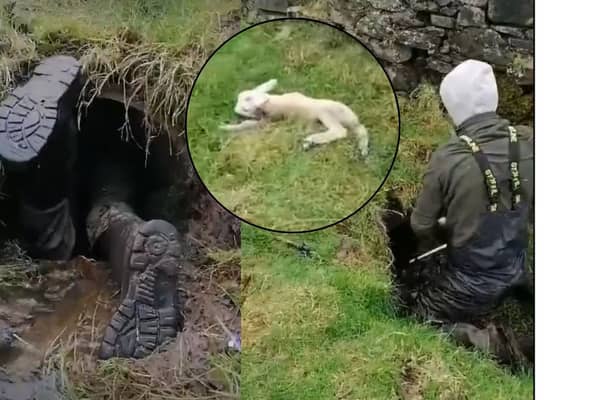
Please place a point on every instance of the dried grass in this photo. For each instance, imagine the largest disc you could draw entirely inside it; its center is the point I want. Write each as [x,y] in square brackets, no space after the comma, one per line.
[153,73]
[15,265]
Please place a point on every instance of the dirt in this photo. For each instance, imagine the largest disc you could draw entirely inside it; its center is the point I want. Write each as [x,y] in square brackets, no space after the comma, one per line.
[60,311]
[40,311]
[409,384]
[34,387]
[187,368]
[210,225]
[67,327]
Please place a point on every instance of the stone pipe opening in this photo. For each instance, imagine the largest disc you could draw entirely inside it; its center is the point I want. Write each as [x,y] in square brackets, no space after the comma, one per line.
[115,139]
[111,131]
[42,300]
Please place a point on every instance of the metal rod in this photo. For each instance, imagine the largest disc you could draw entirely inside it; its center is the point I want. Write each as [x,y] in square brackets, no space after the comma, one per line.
[26,343]
[430,252]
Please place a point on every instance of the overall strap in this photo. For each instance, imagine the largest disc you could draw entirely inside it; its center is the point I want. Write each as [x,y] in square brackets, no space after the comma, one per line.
[513,158]
[490,180]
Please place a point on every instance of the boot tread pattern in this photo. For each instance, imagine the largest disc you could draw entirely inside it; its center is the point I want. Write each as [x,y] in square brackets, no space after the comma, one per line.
[29,113]
[150,314]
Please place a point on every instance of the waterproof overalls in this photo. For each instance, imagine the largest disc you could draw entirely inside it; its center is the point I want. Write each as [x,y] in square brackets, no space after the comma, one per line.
[481,272]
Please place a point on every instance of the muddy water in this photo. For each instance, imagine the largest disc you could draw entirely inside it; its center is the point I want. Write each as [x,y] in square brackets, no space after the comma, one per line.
[42,312]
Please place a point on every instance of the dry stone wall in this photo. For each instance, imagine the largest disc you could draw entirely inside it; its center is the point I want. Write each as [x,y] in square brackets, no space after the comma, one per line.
[418,39]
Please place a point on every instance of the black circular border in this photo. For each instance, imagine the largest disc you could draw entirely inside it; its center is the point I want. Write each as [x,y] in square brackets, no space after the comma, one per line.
[397,112]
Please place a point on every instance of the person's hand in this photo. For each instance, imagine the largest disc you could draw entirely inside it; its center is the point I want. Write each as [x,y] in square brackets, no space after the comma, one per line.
[441,233]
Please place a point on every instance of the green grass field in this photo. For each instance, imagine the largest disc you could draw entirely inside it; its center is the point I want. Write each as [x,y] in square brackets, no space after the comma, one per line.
[321,327]
[315,327]
[265,177]
[175,25]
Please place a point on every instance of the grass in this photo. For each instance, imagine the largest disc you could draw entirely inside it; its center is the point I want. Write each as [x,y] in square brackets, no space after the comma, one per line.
[264,177]
[322,326]
[313,327]
[15,266]
[151,50]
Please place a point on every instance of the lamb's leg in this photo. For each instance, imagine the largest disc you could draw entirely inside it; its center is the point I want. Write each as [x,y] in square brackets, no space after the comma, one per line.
[335,131]
[242,126]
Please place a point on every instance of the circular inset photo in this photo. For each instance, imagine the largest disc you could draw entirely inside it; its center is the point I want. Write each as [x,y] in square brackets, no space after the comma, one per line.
[293,125]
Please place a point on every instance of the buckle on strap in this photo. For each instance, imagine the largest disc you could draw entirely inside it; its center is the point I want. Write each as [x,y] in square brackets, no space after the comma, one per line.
[471,143]
[514,138]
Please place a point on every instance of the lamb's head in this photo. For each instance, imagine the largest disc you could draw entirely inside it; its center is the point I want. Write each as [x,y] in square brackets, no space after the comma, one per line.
[249,102]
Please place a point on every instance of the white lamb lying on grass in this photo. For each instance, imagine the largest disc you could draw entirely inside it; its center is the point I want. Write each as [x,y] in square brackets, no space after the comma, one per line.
[260,106]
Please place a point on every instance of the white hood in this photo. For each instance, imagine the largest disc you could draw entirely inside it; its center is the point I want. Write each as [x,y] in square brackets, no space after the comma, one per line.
[468,90]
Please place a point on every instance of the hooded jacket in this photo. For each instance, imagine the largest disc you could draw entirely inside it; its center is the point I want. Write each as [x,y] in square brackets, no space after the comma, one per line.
[453,185]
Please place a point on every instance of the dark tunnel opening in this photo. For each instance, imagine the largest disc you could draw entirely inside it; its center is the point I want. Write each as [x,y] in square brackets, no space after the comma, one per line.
[115,138]
[47,297]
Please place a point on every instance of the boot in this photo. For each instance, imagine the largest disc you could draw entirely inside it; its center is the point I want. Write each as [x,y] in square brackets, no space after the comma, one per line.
[497,341]
[38,148]
[145,258]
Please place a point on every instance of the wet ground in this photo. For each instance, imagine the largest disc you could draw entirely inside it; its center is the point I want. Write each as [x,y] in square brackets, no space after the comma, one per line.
[59,316]
[41,309]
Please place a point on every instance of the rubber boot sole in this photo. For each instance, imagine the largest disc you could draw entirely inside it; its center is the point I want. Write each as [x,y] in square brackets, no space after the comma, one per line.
[150,313]
[31,112]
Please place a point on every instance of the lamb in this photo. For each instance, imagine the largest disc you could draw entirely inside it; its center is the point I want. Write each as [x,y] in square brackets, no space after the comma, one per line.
[260,106]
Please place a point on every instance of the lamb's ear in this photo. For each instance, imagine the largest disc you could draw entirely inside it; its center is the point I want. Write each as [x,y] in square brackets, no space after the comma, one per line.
[259,99]
[267,86]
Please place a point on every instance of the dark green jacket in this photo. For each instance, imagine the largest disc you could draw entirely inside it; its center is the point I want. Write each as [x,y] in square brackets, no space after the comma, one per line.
[453,184]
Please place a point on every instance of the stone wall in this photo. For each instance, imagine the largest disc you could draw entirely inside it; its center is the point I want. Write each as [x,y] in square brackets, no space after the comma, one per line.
[260,10]
[418,39]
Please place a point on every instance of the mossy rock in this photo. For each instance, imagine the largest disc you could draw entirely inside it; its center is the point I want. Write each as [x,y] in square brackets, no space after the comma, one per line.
[514,103]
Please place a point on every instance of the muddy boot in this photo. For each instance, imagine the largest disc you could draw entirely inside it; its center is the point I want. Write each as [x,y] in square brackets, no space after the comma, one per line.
[527,347]
[145,258]
[38,149]
[499,342]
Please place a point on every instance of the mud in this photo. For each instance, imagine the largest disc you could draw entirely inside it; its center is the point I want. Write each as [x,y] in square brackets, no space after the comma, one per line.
[34,387]
[185,368]
[40,311]
[60,312]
